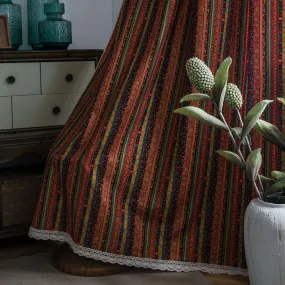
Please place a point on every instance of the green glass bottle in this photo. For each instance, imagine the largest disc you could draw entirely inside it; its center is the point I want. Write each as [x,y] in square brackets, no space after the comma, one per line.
[55,32]
[35,15]
[14,13]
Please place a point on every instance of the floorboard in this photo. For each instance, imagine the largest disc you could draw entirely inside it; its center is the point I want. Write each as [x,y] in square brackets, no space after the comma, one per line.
[228,280]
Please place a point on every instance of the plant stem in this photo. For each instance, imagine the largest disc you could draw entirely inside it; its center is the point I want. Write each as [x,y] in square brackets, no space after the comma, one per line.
[237,149]
[260,196]
[232,138]
[250,149]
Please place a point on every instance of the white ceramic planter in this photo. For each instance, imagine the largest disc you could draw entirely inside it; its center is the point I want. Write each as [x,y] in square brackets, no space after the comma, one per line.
[264,231]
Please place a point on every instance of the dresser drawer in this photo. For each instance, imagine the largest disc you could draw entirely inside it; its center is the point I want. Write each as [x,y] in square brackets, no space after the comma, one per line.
[42,110]
[5,113]
[19,79]
[66,77]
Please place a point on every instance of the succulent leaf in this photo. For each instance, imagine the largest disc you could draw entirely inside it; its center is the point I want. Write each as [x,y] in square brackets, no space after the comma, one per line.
[270,133]
[252,117]
[277,186]
[282,100]
[195,97]
[200,115]
[253,164]
[232,157]
[237,132]
[280,200]
[266,179]
[277,174]
[221,79]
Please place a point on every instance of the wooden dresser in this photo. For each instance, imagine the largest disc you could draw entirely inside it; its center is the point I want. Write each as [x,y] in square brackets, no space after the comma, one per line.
[38,92]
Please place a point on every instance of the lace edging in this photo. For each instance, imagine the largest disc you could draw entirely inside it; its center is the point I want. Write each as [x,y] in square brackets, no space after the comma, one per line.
[162,265]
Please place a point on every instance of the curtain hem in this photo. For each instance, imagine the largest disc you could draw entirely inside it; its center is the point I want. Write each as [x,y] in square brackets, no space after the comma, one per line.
[139,262]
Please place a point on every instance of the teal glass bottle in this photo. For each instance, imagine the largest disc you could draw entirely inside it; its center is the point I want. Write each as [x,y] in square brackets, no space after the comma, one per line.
[55,32]
[35,15]
[14,13]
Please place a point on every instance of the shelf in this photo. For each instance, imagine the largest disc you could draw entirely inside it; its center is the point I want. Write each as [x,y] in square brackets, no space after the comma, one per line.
[46,55]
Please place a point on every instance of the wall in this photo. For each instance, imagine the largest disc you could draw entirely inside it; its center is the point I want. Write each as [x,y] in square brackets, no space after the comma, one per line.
[117,4]
[92,22]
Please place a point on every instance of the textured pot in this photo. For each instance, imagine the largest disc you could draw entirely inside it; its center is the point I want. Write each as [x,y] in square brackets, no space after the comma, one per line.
[55,32]
[264,231]
[14,13]
[35,15]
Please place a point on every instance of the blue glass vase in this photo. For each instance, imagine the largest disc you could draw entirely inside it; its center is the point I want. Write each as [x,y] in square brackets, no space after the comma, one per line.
[35,15]
[14,13]
[55,32]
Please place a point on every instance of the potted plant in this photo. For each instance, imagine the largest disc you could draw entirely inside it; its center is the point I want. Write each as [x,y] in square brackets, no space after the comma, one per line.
[264,227]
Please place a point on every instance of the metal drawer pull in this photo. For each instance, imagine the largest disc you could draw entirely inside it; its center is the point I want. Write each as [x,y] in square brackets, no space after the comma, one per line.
[56,110]
[69,77]
[11,80]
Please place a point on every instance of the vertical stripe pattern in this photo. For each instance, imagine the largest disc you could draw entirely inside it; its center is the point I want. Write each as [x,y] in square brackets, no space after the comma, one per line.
[128,179]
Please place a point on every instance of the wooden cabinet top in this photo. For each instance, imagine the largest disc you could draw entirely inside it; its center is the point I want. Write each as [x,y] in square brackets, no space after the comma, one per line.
[66,55]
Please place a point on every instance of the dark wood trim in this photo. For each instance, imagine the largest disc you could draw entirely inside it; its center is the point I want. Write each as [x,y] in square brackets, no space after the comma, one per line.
[24,147]
[24,136]
[43,56]
[8,232]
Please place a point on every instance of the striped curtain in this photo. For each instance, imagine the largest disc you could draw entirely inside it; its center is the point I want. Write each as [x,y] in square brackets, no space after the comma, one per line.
[130,182]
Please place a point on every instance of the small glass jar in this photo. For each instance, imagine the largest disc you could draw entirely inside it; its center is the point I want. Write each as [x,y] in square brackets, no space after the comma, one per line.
[55,32]
[14,13]
[35,15]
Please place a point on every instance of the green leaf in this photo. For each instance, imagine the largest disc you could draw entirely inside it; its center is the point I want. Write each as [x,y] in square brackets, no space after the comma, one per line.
[232,157]
[266,179]
[277,174]
[222,98]
[200,115]
[237,132]
[277,186]
[221,79]
[282,100]
[281,200]
[272,198]
[196,97]
[252,117]
[270,133]
[253,164]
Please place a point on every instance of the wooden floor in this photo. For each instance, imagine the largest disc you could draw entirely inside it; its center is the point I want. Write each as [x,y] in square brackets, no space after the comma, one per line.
[14,248]
[228,280]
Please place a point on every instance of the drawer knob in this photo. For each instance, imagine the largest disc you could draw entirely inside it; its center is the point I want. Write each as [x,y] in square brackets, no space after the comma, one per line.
[56,110]
[11,80]
[69,77]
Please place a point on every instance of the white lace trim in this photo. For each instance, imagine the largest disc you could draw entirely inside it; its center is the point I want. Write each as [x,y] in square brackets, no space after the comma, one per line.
[164,265]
